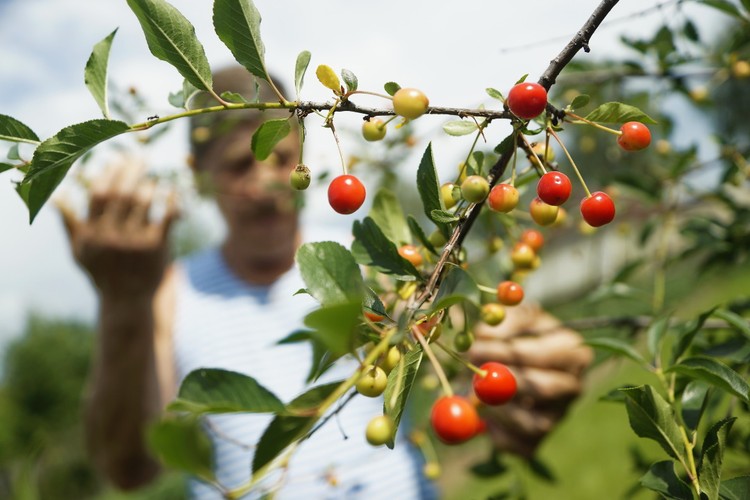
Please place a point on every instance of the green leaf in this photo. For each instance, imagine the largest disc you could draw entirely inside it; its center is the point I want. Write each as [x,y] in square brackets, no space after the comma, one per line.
[724,6]
[95,74]
[387,213]
[495,94]
[13,153]
[522,79]
[300,68]
[737,488]
[459,127]
[15,131]
[746,5]
[693,403]
[171,38]
[715,373]
[686,333]
[181,443]
[6,166]
[651,417]
[372,248]
[350,79]
[444,216]
[330,273]
[311,399]
[734,320]
[181,99]
[655,333]
[617,346]
[268,136]
[580,101]
[234,97]
[212,390]
[662,479]
[280,433]
[391,87]
[429,187]
[617,112]
[417,231]
[54,157]
[237,22]
[457,286]
[400,381]
[507,145]
[335,325]
[712,456]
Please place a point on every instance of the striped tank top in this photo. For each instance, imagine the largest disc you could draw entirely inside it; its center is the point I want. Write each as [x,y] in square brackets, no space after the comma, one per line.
[223,322]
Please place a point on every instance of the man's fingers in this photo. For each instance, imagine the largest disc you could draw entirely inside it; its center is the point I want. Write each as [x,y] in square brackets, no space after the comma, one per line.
[545,388]
[69,217]
[138,216]
[101,192]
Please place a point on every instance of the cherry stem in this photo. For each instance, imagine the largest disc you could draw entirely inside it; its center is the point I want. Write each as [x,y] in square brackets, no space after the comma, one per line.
[580,120]
[471,366]
[447,389]
[533,154]
[513,167]
[352,92]
[338,146]
[487,289]
[570,159]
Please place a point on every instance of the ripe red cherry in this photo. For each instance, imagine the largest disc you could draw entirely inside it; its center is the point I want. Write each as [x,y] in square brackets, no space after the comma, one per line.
[635,136]
[503,198]
[554,188]
[598,209]
[527,100]
[454,419]
[497,387]
[411,253]
[346,194]
[533,238]
[509,293]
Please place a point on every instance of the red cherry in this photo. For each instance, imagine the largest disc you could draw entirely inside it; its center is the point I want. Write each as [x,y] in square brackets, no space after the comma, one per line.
[346,194]
[527,100]
[497,387]
[635,136]
[554,188]
[509,293]
[454,419]
[598,209]
[411,253]
[503,198]
[533,238]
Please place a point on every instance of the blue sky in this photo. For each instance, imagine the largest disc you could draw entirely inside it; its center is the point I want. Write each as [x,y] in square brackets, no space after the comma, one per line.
[452,53]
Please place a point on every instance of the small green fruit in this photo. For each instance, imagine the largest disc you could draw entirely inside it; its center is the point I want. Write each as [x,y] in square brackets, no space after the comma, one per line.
[373,129]
[475,188]
[299,178]
[379,430]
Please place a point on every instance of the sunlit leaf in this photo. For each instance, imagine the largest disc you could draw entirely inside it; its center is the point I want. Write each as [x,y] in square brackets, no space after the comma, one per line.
[300,68]
[311,399]
[330,273]
[652,417]
[495,94]
[15,131]
[736,488]
[372,248]
[268,135]
[400,381]
[459,127]
[335,325]
[280,433]
[391,87]
[95,74]
[662,479]
[715,373]
[617,112]
[350,80]
[712,457]
[328,77]
[429,187]
[693,403]
[171,38]
[387,213]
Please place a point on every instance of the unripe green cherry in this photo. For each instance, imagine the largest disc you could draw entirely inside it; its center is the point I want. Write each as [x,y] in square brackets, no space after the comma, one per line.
[299,178]
[437,238]
[463,340]
[372,382]
[373,129]
[492,313]
[475,188]
[410,103]
[449,195]
[379,430]
[432,471]
[391,360]
[542,213]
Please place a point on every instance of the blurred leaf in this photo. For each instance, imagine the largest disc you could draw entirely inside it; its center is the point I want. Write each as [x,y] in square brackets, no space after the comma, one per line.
[95,74]
[400,381]
[234,97]
[6,166]
[495,94]
[691,31]
[734,320]
[617,346]
[350,80]
[300,68]
[237,23]
[616,395]
[541,470]
[391,87]
[15,131]
[268,135]
[13,153]
[693,403]
[387,213]
[459,127]
[655,333]
[171,38]
[181,443]
[330,273]
[712,456]
[280,433]
[724,6]
[328,78]
[322,358]
[580,101]
[662,479]
[429,188]
[457,286]
[737,488]
[335,325]
[444,216]
[715,373]
[686,332]
[491,467]
[372,248]
[54,157]
[417,231]
[507,145]
[181,98]
[311,399]
[617,112]
[653,418]
[212,390]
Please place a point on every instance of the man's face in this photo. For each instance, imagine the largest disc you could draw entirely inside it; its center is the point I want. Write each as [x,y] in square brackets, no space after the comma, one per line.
[254,196]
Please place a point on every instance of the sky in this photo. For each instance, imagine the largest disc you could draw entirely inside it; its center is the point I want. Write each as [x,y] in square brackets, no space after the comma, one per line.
[452,53]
